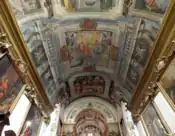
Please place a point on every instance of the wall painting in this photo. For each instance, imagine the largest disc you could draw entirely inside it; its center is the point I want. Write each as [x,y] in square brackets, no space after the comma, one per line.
[10,83]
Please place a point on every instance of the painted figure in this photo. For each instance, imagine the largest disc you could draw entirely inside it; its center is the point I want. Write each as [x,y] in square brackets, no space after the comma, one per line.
[87,83]
[3,86]
[65,53]
[28,132]
[157,4]
[30,5]
[70,5]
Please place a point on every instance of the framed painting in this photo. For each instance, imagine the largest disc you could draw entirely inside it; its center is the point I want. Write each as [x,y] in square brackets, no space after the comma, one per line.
[152,122]
[11,85]
[33,122]
[167,83]
[152,9]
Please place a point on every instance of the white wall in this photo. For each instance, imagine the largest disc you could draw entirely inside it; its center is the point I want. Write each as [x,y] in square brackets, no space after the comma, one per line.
[166,111]
[141,129]
[130,127]
[51,129]
[18,115]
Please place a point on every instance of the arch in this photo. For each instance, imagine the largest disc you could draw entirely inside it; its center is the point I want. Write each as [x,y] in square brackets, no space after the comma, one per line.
[90,120]
[111,114]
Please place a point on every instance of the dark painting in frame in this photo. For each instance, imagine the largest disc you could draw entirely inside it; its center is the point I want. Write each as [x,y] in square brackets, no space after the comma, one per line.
[32,123]
[11,83]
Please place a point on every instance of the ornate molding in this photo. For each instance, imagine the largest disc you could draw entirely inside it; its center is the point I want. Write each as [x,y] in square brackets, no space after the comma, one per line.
[23,67]
[163,62]
[30,93]
[4,44]
[33,98]
[162,55]
[136,117]
[151,91]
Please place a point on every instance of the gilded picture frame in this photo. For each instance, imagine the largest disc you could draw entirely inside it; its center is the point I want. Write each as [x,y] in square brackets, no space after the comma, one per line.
[11,83]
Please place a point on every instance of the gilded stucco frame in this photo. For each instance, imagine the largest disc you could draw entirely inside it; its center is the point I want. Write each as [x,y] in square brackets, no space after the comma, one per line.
[162,54]
[10,33]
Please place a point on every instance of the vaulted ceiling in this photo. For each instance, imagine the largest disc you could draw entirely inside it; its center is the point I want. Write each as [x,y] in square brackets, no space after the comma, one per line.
[90,47]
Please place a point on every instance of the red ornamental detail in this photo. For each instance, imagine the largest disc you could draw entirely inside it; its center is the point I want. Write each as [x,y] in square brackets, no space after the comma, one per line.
[89,68]
[88,24]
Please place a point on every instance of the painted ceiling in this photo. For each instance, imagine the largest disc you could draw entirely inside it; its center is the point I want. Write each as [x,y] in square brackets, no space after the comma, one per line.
[90,47]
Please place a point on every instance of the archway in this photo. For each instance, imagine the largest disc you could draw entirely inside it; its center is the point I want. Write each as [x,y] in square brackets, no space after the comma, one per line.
[90,122]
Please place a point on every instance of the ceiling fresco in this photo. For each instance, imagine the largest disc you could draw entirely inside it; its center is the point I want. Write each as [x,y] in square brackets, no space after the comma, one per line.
[26,7]
[155,6]
[150,9]
[90,47]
